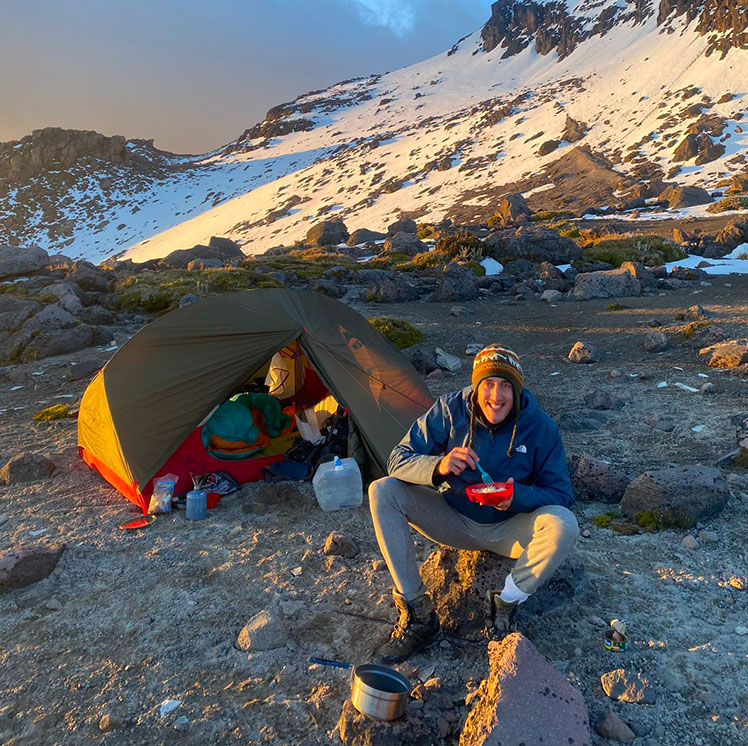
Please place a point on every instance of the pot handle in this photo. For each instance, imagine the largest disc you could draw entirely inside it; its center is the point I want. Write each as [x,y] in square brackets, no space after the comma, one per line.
[328,662]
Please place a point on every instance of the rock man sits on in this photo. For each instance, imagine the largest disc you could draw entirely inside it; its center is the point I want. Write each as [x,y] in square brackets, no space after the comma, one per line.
[499,423]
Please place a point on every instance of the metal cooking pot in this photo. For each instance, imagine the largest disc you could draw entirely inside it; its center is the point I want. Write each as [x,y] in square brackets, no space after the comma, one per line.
[378,691]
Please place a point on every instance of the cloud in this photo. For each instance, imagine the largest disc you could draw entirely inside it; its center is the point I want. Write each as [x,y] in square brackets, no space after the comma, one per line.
[397,15]
[400,15]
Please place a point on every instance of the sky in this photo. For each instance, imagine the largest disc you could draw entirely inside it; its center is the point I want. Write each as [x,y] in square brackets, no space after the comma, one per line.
[193,74]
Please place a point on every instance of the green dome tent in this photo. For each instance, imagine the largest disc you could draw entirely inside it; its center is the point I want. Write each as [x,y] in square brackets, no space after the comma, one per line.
[161,385]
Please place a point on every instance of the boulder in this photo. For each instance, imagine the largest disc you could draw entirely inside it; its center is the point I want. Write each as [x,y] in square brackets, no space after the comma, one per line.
[66,296]
[677,197]
[612,727]
[601,399]
[196,265]
[391,290]
[457,283]
[595,480]
[643,275]
[524,700]
[655,341]
[340,545]
[89,277]
[83,369]
[14,311]
[627,686]
[731,354]
[513,209]
[457,581]
[548,147]
[402,226]
[264,631]
[50,318]
[328,287]
[26,467]
[327,233]
[423,359]
[677,496]
[222,249]
[552,296]
[582,352]
[573,131]
[614,283]
[364,235]
[58,342]
[697,313]
[97,316]
[26,565]
[534,242]
[17,260]
[404,243]
[446,361]
[582,420]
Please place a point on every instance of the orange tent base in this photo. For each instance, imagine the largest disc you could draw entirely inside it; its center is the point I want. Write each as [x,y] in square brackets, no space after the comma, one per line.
[128,489]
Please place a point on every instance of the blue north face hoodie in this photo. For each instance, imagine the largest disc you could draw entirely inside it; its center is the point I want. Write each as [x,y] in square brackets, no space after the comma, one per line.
[537,461]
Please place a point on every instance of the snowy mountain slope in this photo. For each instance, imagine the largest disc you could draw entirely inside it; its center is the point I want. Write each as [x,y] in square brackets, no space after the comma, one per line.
[604,90]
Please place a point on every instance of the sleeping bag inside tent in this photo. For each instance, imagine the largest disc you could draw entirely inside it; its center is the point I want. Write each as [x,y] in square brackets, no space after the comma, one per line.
[231,382]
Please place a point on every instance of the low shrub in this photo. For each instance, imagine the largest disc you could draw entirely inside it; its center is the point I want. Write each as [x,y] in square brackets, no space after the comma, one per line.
[736,202]
[55,412]
[399,332]
[603,519]
[648,250]
[462,246]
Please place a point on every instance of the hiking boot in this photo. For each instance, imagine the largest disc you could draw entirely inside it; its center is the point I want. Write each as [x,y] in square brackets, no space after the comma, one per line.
[500,615]
[416,627]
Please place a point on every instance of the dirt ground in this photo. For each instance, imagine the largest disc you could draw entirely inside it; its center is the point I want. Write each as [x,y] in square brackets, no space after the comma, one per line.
[128,621]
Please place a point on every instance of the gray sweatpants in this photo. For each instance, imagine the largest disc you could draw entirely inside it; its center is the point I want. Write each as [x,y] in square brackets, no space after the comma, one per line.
[539,541]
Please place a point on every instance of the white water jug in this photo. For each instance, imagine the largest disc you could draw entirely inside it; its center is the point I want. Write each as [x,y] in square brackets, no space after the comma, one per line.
[337,484]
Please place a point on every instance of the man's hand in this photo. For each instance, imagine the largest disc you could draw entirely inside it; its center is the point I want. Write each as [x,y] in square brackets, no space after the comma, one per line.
[457,460]
[507,504]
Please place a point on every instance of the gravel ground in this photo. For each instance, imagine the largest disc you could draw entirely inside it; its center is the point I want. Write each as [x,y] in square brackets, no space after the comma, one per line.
[129,621]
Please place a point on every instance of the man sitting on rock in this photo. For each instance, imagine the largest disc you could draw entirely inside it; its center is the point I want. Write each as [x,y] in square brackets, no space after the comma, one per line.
[497,422]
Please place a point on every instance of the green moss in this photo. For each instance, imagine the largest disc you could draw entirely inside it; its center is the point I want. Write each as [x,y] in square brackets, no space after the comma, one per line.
[159,292]
[399,332]
[618,307]
[540,217]
[646,249]
[603,519]
[648,521]
[55,412]
[735,202]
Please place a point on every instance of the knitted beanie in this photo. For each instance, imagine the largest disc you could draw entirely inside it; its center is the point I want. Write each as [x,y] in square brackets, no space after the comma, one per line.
[498,361]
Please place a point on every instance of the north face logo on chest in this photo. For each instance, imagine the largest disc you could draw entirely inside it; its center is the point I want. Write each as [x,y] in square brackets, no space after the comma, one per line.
[521,449]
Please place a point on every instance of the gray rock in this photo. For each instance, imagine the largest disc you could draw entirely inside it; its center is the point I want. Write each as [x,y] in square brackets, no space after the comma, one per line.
[391,290]
[185,300]
[327,233]
[697,313]
[447,361]
[111,721]
[582,420]
[689,542]
[677,197]
[500,714]
[708,388]
[402,226]
[18,260]
[423,359]
[196,265]
[677,496]
[460,311]
[264,631]
[59,261]
[340,545]
[26,565]
[601,399]
[655,342]
[88,277]
[219,248]
[457,581]
[593,479]
[328,287]
[582,352]
[533,241]
[611,726]
[457,283]
[26,467]
[708,537]
[552,296]
[58,342]
[364,235]
[14,311]
[513,209]
[726,355]
[66,296]
[51,317]
[355,729]
[665,424]
[627,686]
[97,316]
[614,283]
[404,243]
[641,273]
[82,369]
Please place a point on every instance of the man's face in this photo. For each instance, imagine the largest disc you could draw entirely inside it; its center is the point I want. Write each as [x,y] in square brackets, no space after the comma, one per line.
[495,398]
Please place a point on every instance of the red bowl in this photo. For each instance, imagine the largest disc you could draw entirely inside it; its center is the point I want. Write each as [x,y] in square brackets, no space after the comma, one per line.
[496,494]
[212,499]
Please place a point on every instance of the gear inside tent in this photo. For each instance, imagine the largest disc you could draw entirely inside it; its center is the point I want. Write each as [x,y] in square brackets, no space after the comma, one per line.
[241,381]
